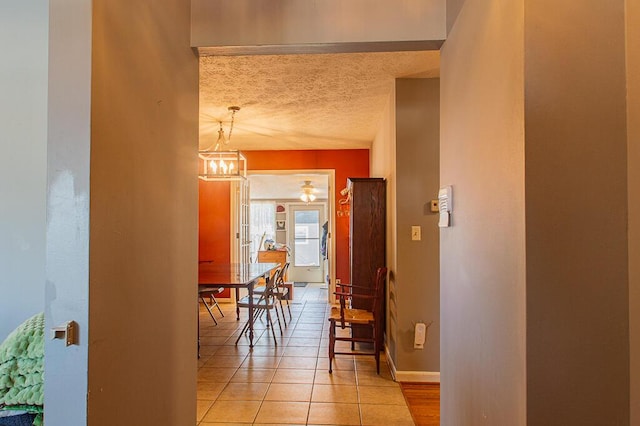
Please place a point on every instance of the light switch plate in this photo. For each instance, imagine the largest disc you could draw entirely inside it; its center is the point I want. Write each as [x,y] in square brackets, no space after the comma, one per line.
[416,233]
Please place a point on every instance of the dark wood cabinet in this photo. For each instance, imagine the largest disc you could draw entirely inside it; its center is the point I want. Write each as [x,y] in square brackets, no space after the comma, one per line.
[367,235]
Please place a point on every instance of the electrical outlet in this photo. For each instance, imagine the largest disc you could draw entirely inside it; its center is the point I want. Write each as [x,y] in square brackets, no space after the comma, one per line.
[420,335]
[338,281]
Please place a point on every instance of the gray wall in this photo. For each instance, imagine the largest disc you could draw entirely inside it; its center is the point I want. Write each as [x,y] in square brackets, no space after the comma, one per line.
[268,23]
[482,256]
[144,209]
[24,28]
[576,162]
[633,179]
[417,277]
[68,156]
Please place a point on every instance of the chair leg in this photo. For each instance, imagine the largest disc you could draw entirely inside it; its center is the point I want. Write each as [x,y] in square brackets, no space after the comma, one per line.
[376,349]
[289,309]
[206,305]
[214,302]
[282,311]
[275,308]
[241,333]
[269,321]
[332,342]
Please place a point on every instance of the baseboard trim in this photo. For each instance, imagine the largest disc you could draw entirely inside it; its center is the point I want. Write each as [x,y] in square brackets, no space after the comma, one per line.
[418,376]
[411,376]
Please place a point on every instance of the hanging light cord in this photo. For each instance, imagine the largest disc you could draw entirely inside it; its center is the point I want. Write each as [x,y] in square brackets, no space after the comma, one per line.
[231,127]
[233,110]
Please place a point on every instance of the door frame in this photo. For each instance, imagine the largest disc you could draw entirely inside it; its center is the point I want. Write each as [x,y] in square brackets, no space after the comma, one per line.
[331,209]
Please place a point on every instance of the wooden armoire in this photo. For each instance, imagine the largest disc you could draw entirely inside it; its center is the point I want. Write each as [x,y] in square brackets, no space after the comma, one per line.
[367,235]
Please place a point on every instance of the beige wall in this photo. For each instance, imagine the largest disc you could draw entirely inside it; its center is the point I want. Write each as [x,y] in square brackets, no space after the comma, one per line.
[576,161]
[383,164]
[453,9]
[633,151]
[335,24]
[482,256]
[418,262]
[143,241]
[24,28]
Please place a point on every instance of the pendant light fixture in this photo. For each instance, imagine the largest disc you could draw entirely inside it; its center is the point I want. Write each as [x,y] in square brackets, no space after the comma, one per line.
[220,164]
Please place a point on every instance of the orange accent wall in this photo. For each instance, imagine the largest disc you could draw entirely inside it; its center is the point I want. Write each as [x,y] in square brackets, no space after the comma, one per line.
[215,197]
[214,209]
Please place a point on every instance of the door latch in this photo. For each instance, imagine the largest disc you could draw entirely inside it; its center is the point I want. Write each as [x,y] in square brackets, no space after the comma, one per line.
[68,332]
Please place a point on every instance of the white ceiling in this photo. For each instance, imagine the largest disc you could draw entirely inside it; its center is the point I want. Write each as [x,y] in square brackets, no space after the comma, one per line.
[286,186]
[313,101]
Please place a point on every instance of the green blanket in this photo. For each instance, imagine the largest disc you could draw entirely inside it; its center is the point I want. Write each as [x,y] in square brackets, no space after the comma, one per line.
[22,367]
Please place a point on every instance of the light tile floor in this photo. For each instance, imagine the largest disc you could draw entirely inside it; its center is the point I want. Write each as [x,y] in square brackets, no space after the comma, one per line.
[289,383]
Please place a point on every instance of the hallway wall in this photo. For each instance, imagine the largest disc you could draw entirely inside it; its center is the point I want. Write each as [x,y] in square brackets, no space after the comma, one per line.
[144,211]
[24,38]
[482,272]
[406,153]
[576,254]
[383,164]
[418,262]
[633,169]
[570,262]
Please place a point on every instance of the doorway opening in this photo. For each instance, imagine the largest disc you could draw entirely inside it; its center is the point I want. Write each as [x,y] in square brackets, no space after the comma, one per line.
[281,220]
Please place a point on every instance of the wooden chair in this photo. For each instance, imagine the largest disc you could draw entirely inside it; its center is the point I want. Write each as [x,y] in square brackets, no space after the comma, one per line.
[347,317]
[263,302]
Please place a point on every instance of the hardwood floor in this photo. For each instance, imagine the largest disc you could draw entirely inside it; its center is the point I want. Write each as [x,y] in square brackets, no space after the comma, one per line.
[423,400]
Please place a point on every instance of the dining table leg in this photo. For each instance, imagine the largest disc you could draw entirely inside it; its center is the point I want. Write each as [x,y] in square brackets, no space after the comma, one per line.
[250,288]
[237,292]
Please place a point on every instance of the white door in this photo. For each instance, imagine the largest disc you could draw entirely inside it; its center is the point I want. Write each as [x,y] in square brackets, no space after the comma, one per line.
[306,232]
[240,214]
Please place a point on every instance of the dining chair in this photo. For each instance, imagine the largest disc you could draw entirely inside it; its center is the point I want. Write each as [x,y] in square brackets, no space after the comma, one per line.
[280,291]
[263,302]
[347,317]
[210,292]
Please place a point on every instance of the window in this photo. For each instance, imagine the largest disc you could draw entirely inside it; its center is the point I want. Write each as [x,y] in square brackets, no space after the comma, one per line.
[262,227]
[307,238]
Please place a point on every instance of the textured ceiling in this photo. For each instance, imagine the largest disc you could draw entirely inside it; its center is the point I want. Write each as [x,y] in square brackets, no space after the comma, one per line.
[323,101]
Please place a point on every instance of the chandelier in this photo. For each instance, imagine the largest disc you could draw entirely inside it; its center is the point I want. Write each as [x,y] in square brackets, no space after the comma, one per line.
[214,163]
[307,192]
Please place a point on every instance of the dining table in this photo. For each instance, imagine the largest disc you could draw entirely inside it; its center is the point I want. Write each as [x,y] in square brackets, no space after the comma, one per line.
[236,276]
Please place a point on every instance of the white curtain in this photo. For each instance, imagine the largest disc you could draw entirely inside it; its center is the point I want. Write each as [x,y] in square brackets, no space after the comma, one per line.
[263,223]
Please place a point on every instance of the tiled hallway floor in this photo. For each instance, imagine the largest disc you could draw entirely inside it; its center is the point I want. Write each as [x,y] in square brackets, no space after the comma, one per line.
[290,383]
